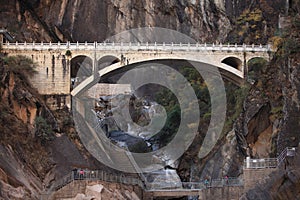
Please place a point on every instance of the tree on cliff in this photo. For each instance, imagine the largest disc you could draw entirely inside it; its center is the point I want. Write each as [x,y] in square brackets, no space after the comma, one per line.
[42,130]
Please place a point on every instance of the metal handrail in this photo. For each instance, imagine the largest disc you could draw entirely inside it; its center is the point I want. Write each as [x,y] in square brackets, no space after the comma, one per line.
[94,175]
[156,187]
[287,152]
[202,184]
[260,163]
[269,162]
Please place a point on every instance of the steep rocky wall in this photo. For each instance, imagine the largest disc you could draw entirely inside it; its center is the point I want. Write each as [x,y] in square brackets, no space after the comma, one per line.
[77,20]
[23,171]
[94,20]
[205,21]
[254,121]
[284,183]
[29,164]
[289,135]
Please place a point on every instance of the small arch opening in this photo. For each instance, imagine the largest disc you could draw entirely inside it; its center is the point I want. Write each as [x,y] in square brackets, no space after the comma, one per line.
[106,61]
[81,68]
[256,66]
[233,62]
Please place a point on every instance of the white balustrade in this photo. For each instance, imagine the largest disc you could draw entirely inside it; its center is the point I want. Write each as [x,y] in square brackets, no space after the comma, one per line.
[136,46]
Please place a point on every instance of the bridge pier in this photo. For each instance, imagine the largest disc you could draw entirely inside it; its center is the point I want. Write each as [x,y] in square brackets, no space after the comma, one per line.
[95,63]
[245,66]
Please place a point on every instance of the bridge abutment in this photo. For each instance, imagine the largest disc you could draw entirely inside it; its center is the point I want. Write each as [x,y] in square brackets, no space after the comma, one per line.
[254,176]
[224,193]
[52,79]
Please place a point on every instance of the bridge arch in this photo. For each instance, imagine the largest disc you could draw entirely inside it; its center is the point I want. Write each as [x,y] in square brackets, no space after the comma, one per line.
[255,63]
[106,61]
[234,62]
[255,66]
[226,71]
[81,66]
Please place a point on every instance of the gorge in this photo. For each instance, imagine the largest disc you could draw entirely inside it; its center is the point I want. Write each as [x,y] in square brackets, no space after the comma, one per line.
[40,144]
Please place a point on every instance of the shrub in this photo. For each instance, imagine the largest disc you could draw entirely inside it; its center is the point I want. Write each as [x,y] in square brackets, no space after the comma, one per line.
[68,53]
[42,130]
[20,65]
[276,42]
[276,113]
[291,46]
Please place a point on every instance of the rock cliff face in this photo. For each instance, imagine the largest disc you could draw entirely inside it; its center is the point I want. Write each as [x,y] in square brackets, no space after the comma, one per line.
[22,171]
[268,123]
[78,20]
[32,156]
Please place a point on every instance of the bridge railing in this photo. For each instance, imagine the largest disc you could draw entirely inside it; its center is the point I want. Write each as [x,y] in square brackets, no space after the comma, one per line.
[269,162]
[137,46]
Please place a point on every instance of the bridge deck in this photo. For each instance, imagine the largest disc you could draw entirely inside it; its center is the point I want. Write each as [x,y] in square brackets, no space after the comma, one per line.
[137,46]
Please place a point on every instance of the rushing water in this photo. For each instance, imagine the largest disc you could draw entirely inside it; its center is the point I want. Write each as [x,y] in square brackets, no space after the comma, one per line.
[145,120]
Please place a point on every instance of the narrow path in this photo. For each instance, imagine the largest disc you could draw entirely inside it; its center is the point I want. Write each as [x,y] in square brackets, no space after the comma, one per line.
[182,189]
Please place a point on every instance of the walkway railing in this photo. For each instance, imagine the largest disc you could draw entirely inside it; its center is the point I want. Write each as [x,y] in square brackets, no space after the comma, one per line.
[203,184]
[269,162]
[287,152]
[96,175]
[137,47]
[260,163]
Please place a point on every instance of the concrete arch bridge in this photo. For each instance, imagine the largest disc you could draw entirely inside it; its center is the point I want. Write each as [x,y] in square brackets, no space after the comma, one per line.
[58,63]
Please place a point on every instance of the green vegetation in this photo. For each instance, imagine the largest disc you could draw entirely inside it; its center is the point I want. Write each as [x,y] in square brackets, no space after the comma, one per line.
[286,41]
[290,46]
[276,41]
[257,64]
[235,101]
[235,98]
[251,17]
[20,65]
[68,53]
[42,130]
[170,102]
[256,67]
[276,112]
[250,24]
